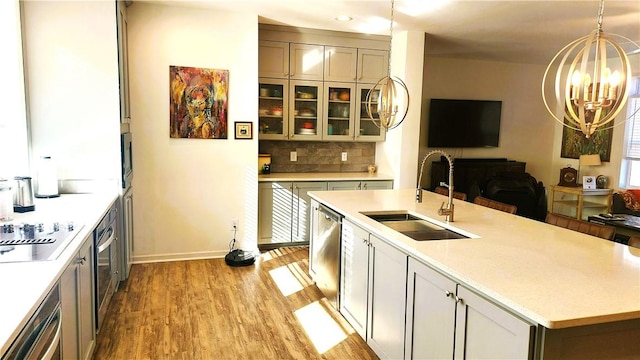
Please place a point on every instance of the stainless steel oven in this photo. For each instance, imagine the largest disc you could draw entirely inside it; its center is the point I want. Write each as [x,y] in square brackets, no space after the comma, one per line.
[106,273]
[40,338]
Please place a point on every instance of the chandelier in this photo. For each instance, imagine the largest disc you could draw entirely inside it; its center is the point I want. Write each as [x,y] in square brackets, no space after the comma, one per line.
[388,100]
[592,95]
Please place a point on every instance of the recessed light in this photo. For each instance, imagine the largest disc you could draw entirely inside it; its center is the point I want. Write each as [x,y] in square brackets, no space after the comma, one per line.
[344,18]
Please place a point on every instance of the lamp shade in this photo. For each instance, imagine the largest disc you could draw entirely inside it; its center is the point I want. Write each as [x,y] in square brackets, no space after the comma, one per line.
[590,160]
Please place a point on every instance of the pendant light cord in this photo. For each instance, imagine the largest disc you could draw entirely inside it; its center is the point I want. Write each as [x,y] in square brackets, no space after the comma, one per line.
[390,38]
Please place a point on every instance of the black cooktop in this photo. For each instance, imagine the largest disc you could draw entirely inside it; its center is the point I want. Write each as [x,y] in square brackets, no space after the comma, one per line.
[38,241]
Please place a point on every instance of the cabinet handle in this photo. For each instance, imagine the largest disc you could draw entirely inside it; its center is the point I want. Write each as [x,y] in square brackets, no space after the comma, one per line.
[448,293]
[365,186]
[458,300]
[82,260]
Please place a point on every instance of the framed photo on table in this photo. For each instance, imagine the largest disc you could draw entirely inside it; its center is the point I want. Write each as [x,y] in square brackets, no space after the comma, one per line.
[244,130]
[589,182]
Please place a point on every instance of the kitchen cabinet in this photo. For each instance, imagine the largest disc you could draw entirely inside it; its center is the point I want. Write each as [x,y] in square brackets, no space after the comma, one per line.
[340,63]
[354,276]
[77,301]
[123,62]
[445,318]
[306,62]
[315,73]
[284,210]
[360,185]
[372,66]
[273,109]
[290,60]
[337,118]
[373,289]
[126,250]
[305,110]
[580,199]
[366,129]
[273,59]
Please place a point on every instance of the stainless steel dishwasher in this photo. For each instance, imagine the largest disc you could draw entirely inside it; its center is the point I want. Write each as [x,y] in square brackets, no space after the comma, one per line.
[327,257]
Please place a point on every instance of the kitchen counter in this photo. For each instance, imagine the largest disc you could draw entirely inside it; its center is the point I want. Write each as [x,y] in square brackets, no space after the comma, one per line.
[556,277]
[326,176]
[25,284]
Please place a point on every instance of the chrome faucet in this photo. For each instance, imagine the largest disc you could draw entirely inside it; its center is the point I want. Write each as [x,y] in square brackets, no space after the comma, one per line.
[448,211]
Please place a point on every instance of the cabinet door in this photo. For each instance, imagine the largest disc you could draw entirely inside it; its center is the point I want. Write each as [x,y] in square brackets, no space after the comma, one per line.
[431,311]
[273,109]
[354,276]
[127,245]
[377,185]
[86,303]
[123,61]
[306,62]
[275,212]
[373,65]
[273,59]
[485,331]
[343,185]
[338,113]
[387,299]
[305,116]
[69,304]
[302,208]
[365,128]
[340,63]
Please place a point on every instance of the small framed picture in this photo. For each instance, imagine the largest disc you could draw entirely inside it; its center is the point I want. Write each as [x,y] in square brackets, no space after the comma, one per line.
[589,182]
[244,130]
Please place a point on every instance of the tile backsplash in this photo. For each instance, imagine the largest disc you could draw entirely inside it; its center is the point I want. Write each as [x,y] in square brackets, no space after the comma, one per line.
[319,156]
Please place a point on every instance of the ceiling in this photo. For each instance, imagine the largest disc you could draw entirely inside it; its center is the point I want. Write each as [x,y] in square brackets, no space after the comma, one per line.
[524,31]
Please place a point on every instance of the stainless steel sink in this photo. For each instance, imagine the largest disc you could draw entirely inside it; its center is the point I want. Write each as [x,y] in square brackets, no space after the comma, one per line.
[414,227]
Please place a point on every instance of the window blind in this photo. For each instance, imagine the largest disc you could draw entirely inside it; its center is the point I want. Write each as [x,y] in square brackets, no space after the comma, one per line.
[633,121]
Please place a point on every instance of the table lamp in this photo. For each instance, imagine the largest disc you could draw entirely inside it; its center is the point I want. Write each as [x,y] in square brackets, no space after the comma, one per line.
[588,160]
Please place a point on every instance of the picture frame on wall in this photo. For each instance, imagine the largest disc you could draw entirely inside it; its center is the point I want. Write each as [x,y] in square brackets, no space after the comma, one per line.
[244,130]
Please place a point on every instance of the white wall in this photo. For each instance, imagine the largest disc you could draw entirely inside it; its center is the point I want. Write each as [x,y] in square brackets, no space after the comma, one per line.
[13,129]
[398,155]
[188,191]
[71,65]
[526,129]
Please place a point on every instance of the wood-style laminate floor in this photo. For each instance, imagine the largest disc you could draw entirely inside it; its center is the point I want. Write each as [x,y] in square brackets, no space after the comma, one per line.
[204,309]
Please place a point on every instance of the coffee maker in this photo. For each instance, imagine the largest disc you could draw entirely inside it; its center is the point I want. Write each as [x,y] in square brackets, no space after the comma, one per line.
[23,195]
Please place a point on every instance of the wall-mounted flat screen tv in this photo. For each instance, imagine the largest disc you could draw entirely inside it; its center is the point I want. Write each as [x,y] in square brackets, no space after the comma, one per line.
[464,123]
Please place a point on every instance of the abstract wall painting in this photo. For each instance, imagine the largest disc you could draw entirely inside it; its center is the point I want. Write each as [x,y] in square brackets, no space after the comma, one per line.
[198,103]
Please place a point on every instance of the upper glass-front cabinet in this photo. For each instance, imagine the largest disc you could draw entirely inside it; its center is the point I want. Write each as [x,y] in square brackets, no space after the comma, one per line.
[338,119]
[306,109]
[366,130]
[273,109]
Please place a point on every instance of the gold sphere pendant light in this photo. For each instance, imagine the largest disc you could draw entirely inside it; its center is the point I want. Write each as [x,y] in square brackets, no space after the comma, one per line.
[388,100]
[592,95]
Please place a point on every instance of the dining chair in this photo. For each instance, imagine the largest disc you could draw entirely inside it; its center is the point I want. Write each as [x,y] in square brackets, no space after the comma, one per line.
[602,231]
[479,200]
[456,194]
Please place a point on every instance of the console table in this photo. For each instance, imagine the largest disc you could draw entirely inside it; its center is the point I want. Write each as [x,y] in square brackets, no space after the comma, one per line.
[580,199]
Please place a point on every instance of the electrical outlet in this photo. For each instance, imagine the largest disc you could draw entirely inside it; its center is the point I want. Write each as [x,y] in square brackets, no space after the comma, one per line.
[234,224]
[344,156]
[293,156]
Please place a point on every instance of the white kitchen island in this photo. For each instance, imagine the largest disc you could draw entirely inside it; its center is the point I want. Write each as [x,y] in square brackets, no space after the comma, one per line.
[580,294]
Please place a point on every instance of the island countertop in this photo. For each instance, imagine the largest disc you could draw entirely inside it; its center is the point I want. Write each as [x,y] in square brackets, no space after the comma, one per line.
[556,277]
